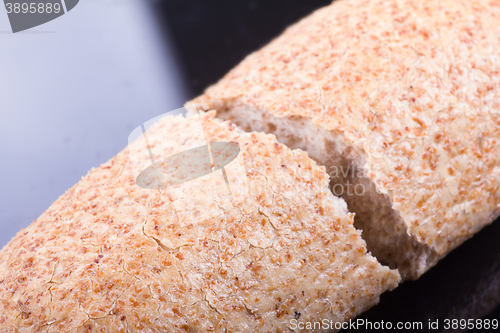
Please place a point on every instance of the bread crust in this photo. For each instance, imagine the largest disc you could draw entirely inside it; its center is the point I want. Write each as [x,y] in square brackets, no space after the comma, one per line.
[413,86]
[109,256]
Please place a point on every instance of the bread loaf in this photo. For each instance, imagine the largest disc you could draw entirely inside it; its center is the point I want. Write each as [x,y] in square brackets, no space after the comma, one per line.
[398,97]
[110,256]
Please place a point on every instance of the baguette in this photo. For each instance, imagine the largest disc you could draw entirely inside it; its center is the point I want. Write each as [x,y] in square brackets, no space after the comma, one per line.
[110,256]
[400,98]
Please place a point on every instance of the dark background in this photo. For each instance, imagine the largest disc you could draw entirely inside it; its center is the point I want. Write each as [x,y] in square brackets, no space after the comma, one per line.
[213,36]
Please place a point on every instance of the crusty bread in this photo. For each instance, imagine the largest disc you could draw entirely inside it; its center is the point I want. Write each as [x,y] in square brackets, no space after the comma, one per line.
[109,256]
[407,94]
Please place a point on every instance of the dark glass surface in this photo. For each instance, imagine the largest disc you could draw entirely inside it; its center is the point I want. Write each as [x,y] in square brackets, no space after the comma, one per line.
[213,36]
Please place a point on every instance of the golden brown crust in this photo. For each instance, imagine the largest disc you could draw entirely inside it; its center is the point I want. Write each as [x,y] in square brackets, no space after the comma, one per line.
[109,256]
[415,85]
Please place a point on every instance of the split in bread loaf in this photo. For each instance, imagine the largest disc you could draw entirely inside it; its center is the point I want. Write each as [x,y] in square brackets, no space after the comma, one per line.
[111,256]
[400,97]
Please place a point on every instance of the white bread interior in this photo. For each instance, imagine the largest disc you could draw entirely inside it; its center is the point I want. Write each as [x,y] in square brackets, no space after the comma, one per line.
[385,233]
